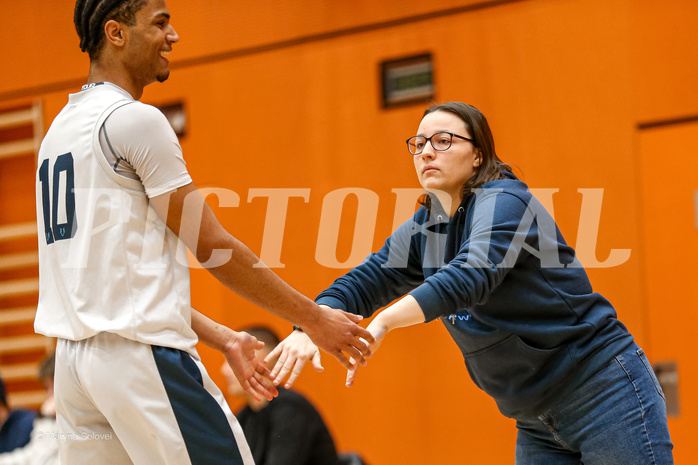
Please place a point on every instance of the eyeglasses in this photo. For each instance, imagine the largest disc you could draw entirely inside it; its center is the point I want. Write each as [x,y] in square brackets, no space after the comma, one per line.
[440,141]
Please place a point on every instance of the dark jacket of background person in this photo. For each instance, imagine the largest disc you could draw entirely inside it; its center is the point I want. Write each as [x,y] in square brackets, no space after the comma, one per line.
[288,431]
[16,429]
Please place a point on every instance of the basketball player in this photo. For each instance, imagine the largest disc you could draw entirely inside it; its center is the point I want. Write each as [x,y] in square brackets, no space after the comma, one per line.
[116,208]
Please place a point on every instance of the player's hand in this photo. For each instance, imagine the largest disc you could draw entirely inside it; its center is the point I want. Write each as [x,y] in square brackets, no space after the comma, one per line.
[337,333]
[378,329]
[293,353]
[253,376]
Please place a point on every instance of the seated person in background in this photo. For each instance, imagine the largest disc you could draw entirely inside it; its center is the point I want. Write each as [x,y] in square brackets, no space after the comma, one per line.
[15,425]
[287,430]
[42,449]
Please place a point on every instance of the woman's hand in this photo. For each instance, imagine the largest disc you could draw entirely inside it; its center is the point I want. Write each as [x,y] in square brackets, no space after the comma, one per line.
[404,312]
[293,353]
[378,329]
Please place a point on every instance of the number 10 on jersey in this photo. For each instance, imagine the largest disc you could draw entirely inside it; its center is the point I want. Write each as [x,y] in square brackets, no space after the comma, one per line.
[57,202]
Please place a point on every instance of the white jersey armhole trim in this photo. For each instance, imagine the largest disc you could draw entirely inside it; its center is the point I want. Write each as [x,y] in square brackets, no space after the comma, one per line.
[128,183]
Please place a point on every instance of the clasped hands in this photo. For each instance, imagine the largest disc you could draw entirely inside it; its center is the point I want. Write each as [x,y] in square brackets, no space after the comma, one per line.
[338,334]
[298,348]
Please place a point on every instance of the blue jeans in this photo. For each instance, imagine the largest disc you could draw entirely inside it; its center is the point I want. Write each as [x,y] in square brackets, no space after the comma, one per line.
[618,416]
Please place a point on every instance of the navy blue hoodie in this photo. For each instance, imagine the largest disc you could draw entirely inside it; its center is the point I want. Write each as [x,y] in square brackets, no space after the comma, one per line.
[506,286]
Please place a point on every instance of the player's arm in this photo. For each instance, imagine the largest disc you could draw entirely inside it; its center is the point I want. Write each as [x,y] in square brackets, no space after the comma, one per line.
[239,351]
[192,220]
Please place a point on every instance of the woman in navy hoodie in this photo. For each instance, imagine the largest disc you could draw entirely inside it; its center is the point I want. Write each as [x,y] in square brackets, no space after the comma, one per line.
[484,256]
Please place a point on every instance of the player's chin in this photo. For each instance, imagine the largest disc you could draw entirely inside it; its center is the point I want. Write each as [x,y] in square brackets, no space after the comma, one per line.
[162,77]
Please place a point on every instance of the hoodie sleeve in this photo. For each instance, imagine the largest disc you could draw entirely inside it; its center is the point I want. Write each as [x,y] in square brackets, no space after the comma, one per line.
[383,276]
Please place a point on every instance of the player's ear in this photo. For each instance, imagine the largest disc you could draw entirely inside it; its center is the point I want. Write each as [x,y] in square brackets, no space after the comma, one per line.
[114,33]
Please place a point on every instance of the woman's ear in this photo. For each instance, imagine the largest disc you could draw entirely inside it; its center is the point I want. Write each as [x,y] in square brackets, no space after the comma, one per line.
[477,160]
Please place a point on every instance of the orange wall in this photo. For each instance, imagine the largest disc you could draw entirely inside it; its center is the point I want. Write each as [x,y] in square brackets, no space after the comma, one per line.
[672,236]
[564,84]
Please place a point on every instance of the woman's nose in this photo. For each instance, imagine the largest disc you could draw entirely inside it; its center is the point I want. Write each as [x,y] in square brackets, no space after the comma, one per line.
[428,151]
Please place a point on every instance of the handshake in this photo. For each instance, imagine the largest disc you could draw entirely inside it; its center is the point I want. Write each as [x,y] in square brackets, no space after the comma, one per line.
[334,331]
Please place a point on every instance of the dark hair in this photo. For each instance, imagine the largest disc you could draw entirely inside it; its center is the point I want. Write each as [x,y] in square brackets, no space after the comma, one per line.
[47,367]
[264,334]
[3,394]
[90,16]
[491,167]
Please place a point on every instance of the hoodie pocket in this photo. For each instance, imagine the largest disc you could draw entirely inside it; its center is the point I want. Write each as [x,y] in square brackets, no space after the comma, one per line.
[511,369]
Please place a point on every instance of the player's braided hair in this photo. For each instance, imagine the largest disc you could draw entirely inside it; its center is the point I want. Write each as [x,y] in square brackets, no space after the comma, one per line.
[91,15]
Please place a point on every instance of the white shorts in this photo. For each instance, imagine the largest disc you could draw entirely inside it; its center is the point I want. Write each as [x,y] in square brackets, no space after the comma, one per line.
[119,401]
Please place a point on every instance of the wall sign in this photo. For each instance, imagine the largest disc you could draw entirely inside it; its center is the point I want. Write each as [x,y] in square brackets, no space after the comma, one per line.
[176,116]
[407,80]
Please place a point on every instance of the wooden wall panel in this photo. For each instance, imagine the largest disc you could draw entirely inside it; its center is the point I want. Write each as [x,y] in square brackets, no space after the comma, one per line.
[670,234]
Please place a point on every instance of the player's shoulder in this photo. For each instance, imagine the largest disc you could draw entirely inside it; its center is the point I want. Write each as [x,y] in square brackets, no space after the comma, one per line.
[140,110]
[136,116]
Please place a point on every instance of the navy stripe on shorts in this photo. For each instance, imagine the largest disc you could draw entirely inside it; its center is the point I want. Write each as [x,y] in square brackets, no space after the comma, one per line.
[203,424]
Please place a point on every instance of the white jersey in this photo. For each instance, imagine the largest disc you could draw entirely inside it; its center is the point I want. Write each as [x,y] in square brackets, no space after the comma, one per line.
[107,261]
